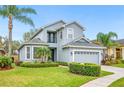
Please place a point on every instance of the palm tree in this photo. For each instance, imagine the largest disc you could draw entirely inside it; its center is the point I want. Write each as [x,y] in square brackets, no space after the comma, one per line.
[47,54]
[107,40]
[12,12]
[43,53]
[39,53]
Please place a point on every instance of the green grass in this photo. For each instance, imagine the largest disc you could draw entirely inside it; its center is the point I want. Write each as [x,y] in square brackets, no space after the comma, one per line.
[118,65]
[51,76]
[118,83]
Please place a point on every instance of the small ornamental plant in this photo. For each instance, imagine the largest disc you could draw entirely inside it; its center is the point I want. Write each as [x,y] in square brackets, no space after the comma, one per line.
[5,62]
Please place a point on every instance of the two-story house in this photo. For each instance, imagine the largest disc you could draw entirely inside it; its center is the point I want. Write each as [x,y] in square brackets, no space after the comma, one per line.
[66,41]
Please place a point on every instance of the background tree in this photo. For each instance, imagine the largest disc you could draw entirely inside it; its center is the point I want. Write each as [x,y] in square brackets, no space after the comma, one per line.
[16,44]
[28,35]
[4,44]
[12,12]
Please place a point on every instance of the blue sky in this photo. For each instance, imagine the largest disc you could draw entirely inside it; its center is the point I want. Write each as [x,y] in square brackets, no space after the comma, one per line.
[94,18]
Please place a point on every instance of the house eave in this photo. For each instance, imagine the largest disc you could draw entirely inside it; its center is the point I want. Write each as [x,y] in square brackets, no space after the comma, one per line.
[43,44]
[89,47]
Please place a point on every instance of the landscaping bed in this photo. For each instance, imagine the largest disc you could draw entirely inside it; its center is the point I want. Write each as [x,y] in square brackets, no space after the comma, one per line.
[118,83]
[44,77]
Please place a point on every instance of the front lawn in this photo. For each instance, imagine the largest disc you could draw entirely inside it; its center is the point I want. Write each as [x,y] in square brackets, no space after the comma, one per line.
[118,65]
[118,83]
[50,76]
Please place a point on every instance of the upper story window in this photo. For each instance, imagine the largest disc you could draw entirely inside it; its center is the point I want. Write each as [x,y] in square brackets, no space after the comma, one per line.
[70,33]
[52,38]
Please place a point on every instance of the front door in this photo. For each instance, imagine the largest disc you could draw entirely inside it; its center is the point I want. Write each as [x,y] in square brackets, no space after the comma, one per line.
[52,54]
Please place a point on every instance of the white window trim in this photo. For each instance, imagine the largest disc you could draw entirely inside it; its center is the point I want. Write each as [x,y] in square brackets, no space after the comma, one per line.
[87,51]
[72,33]
[26,53]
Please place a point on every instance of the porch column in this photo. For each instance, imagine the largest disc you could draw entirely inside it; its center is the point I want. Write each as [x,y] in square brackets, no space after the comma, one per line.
[123,53]
[73,56]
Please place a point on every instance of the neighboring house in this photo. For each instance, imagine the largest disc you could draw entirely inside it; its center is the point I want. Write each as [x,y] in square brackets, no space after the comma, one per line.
[2,52]
[118,51]
[66,41]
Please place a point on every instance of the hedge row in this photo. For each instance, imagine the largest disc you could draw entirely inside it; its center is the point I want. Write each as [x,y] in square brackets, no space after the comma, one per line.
[37,65]
[5,61]
[85,69]
[62,63]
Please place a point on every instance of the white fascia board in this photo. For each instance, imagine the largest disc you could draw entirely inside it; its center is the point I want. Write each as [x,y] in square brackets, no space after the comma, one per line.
[85,47]
[35,43]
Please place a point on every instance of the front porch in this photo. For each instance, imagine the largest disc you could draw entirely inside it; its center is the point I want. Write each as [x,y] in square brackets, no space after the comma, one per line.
[116,52]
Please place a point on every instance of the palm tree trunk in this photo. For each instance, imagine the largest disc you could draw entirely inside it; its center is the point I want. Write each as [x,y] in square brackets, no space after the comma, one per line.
[10,35]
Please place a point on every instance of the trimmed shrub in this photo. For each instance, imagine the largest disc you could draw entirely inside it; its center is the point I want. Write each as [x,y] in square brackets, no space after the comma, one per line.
[122,61]
[89,64]
[91,70]
[38,65]
[5,62]
[62,63]
[88,69]
[75,67]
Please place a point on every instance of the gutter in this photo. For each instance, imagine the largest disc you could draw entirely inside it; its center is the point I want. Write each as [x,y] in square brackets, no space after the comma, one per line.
[67,46]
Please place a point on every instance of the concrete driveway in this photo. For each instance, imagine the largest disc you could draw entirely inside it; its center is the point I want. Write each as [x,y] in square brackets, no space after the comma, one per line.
[106,80]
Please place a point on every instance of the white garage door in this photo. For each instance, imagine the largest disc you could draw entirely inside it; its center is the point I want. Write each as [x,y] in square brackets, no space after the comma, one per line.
[86,56]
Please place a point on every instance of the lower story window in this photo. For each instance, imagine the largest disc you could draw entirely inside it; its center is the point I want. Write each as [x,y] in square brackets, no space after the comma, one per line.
[34,53]
[28,53]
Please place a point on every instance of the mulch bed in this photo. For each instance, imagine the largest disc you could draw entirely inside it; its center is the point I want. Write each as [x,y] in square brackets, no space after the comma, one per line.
[6,68]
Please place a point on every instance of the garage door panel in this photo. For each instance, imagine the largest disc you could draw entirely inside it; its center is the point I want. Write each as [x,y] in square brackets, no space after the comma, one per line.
[83,56]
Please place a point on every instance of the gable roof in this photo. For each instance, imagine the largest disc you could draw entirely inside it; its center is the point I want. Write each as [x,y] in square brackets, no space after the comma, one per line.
[83,42]
[46,27]
[74,22]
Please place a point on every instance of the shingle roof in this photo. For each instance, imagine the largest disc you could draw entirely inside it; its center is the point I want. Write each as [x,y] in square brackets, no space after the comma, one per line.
[74,22]
[121,41]
[45,27]
[83,42]
[34,41]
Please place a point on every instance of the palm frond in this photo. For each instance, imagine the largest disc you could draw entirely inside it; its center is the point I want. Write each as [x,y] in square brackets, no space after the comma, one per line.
[3,12]
[112,35]
[25,20]
[27,10]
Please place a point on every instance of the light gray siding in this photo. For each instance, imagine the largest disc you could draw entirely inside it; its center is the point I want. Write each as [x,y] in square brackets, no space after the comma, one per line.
[78,32]
[43,34]
[62,54]
[22,54]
